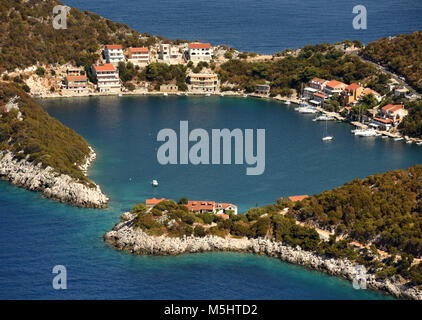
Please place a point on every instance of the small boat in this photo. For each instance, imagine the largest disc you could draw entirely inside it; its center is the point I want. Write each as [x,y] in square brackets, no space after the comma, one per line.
[154,183]
[165,94]
[120,94]
[419,143]
[384,137]
[327,138]
[208,95]
[221,94]
[324,117]
[398,139]
[287,102]
[245,96]
[409,141]
[370,132]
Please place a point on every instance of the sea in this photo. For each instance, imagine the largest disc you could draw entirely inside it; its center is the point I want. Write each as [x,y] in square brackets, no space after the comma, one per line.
[38,234]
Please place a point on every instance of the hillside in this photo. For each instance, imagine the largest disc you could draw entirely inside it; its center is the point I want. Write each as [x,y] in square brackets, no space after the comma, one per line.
[383,210]
[27,36]
[403,54]
[28,131]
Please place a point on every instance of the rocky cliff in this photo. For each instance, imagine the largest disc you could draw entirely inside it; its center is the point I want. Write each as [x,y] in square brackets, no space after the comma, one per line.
[56,186]
[124,236]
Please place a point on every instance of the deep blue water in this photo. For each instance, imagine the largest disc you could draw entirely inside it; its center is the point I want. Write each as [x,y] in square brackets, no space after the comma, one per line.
[37,234]
[264,26]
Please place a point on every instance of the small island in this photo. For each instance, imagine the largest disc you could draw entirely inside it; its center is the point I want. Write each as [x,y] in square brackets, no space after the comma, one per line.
[331,232]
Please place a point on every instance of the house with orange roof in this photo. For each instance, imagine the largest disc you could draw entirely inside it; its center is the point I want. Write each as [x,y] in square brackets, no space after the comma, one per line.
[373,92]
[318,84]
[152,202]
[113,53]
[107,77]
[201,206]
[298,198]
[395,112]
[138,56]
[211,207]
[75,83]
[199,52]
[351,93]
[333,87]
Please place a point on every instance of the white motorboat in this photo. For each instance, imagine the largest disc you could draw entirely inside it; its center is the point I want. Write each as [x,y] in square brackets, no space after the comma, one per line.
[154,183]
[208,95]
[324,117]
[419,143]
[165,94]
[308,110]
[287,102]
[370,132]
[245,96]
[398,139]
[409,141]
[327,138]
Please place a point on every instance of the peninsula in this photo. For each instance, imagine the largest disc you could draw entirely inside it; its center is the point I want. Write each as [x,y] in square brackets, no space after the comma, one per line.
[333,232]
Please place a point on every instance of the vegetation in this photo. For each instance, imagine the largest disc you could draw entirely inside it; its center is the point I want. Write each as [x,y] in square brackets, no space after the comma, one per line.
[383,210]
[38,136]
[27,37]
[403,54]
[160,73]
[412,123]
[321,60]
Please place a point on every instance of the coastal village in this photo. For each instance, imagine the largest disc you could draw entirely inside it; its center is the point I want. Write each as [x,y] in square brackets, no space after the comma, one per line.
[201,61]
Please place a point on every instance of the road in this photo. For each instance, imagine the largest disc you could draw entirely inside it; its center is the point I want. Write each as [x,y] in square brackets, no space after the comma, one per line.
[383,69]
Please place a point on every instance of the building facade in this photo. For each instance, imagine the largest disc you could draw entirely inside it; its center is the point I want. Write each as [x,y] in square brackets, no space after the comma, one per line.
[138,56]
[107,77]
[203,82]
[199,52]
[75,83]
[113,54]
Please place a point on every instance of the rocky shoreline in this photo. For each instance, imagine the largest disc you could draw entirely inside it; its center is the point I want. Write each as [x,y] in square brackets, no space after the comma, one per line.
[124,236]
[59,187]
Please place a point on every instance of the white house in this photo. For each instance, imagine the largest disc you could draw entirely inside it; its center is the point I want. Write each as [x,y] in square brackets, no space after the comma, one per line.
[138,56]
[169,54]
[199,52]
[333,87]
[107,77]
[113,53]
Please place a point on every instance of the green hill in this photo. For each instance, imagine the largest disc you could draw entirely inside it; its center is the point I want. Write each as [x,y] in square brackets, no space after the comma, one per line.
[39,136]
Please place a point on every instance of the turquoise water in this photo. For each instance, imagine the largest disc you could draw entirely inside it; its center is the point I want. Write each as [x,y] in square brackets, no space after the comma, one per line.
[38,234]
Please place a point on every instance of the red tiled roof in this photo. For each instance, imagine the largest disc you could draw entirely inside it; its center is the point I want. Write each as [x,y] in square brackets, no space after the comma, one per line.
[153,201]
[200,205]
[392,108]
[113,46]
[75,78]
[104,67]
[138,50]
[297,198]
[369,91]
[320,95]
[353,86]
[199,45]
[320,81]
[225,205]
[384,120]
[334,84]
